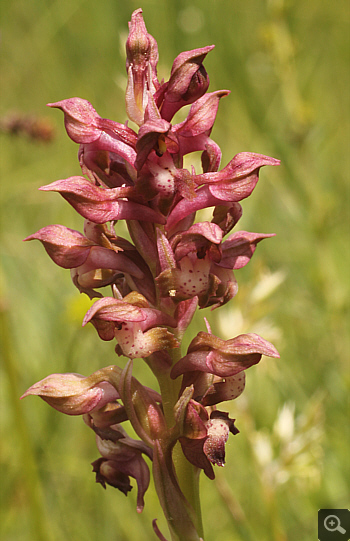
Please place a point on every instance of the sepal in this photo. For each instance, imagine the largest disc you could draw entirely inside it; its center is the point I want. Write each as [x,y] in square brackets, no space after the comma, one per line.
[74,394]
[101,205]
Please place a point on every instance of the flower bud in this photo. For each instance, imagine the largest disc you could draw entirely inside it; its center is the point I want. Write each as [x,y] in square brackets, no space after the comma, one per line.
[142,409]
[188,81]
[142,58]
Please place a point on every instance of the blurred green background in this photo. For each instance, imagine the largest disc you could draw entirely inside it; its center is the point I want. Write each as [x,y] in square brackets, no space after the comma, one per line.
[286,66]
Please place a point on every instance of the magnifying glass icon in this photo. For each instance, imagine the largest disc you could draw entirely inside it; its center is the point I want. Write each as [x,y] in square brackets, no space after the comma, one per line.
[332,524]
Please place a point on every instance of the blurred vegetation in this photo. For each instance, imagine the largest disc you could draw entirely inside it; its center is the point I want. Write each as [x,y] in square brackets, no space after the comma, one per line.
[285,63]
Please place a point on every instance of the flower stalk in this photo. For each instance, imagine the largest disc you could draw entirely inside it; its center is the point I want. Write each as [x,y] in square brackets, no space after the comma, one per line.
[172,266]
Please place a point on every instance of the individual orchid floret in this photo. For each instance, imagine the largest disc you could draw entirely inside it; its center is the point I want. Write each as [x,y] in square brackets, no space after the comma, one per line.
[224,358]
[141,65]
[137,329]
[121,459]
[73,394]
[187,260]
[210,450]
[196,263]
[233,183]
[188,82]
[97,259]
[193,133]
[203,436]
[92,265]
[85,126]
[101,205]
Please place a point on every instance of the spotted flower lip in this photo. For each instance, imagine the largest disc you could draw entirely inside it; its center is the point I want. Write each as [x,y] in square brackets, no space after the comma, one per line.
[197,263]
[218,428]
[204,437]
[108,310]
[223,389]
[139,331]
[186,259]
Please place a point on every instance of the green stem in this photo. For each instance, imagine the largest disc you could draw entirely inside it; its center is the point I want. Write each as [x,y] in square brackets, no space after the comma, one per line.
[188,477]
[187,474]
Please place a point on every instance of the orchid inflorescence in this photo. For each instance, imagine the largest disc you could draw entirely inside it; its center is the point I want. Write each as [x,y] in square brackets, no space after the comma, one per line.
[171,267]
